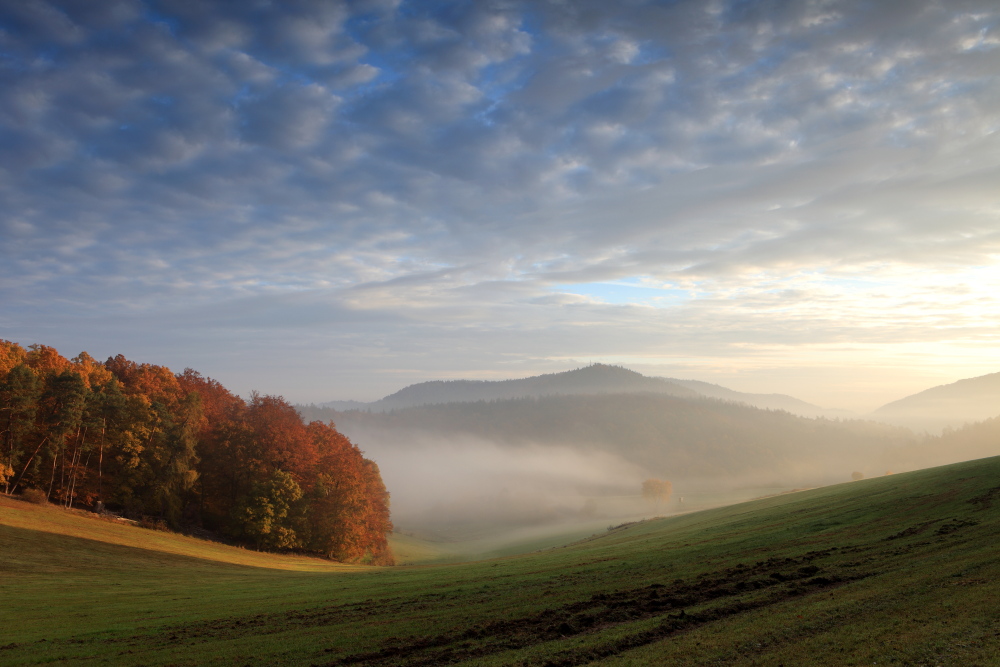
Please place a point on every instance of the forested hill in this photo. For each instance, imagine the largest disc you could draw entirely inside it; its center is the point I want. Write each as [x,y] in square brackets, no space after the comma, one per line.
[594,379]
[182,450]
[665,435]
[965,401]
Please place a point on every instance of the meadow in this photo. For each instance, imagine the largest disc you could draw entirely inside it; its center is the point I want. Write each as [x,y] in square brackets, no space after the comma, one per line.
[900,569]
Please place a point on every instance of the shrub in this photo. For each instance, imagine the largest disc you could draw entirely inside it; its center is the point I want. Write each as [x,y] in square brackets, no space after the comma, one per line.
[622,525]
[150,523]
[36,496]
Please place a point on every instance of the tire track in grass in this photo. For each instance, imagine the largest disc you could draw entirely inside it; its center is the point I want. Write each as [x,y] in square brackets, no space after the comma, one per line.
[718,595]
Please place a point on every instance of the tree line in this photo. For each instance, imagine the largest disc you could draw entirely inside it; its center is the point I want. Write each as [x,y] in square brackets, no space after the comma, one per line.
[181,448]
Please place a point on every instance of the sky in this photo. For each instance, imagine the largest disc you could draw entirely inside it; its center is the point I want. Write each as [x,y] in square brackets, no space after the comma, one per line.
[333,200]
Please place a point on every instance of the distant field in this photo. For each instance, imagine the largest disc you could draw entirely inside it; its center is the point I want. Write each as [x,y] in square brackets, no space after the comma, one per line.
[900,569]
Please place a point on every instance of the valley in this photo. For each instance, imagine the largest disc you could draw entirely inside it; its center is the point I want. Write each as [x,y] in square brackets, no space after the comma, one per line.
[464,457]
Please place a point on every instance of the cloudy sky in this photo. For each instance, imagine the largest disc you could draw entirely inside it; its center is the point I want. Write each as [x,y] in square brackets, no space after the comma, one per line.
[331,200]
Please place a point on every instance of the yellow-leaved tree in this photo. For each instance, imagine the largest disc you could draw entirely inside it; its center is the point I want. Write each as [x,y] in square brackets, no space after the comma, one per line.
[657,491]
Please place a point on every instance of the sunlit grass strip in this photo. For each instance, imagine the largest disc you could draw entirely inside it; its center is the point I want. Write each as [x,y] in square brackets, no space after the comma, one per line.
[79,523]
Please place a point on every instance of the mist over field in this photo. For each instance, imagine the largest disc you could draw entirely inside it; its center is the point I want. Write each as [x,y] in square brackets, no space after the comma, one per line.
[442,481]
[453,484]
[467,483]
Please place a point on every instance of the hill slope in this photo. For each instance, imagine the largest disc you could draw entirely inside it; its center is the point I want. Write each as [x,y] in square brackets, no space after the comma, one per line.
[970,400]
[895,569]
[594,379]
[762,401]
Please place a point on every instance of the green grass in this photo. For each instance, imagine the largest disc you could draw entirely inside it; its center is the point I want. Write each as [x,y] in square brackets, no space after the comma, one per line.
[900,569]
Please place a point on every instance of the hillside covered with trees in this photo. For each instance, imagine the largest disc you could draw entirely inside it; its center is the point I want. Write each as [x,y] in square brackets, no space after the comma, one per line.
[181,448]
[596,379]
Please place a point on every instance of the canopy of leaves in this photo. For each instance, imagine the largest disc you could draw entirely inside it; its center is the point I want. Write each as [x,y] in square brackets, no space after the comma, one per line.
[183,449]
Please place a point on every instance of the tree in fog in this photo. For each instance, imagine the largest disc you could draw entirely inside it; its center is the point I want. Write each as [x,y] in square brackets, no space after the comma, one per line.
[656,491]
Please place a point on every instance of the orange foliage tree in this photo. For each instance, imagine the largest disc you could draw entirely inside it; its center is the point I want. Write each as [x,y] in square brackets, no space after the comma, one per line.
[141,440]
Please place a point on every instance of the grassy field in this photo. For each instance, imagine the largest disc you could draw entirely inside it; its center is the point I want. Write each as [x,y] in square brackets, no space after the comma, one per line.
[902,569]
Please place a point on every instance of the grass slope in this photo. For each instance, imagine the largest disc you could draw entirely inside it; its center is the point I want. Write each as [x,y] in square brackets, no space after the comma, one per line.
[899,569]
[79,523]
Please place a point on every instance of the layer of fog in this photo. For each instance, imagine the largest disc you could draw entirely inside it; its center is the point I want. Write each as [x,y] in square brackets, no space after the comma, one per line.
[467,488]
[941,413]
[442,483]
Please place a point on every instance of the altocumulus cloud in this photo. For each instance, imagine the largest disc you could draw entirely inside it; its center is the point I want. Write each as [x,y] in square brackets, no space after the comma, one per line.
[331,199]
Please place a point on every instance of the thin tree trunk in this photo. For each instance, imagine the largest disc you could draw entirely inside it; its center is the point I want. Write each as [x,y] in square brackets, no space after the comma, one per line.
[63,483]
[52,478]
[71,480]
[74,468]
[62,473]
[30,459]
[100,461]
[72,491]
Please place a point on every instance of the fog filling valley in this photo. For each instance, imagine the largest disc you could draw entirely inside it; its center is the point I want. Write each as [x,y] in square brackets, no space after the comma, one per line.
[462,486]
[465,459]
[439,483]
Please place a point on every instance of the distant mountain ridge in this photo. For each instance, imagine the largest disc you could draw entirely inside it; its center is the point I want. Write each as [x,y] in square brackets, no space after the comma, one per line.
[966,401]
[593,379]
[763,401]
[596,379]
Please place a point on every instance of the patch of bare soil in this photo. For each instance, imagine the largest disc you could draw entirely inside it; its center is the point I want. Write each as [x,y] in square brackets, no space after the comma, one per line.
[985,501]
[716,596]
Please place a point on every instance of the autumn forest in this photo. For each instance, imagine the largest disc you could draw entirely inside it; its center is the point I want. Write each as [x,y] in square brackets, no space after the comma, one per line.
[182,451]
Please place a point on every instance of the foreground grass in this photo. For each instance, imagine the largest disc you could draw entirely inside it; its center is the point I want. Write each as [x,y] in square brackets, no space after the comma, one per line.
[901,569]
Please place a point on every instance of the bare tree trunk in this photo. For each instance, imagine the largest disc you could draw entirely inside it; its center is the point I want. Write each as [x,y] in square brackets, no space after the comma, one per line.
[71,480]
[73,472]
[52,479]
[100,461]
[86,467]
[62,473]
[30,459]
